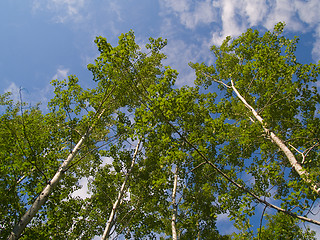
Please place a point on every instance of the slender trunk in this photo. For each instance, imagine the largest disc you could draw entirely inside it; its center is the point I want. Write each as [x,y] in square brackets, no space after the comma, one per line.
[290,156]
[229,179]
[118,201]
[174,205]
[43,196]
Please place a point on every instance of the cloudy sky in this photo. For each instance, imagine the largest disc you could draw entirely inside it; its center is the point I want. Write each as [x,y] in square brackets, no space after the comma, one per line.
[43,40]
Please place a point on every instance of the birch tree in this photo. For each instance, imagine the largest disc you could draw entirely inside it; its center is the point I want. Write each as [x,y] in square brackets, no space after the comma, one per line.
[82,123]
[121,193]
[245,137]
[269,114]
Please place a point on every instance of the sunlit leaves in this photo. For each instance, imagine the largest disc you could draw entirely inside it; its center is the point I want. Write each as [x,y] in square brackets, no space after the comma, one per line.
[265,71]
[181,130]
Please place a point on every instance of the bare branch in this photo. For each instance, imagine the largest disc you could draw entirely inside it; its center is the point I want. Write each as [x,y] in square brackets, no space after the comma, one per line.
[198,166]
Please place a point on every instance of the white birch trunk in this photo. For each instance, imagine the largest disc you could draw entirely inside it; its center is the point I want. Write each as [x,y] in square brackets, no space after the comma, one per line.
[118,201]
[174,205]
[290,156]
[43,196]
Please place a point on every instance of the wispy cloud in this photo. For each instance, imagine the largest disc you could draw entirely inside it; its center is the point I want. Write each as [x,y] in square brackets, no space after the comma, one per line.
[64,10]
[192,15]
[31,96]
[14,90]
[314,215]
[180,53]
[309,14]
[61,73]
[234,16]
[224,224]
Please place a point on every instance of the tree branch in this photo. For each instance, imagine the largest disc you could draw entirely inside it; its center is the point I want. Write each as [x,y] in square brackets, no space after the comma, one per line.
[290,156]
[229,179]
[174,205]
[43,196]
[121,192]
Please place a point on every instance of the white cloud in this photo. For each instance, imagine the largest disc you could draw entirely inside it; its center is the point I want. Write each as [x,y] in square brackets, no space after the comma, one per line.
[63,9]
[15,92]
[309,14]
[30,95]
[225,225]
[177,5]
[201,12]
[44,96]
[180,54]
[283,11]
[314,215]
[106,160]
[204,12]
[235,16]
[83,192]
[316,45]
[116,8]
[256,11]
[308,11]
[232,22]
[61,73]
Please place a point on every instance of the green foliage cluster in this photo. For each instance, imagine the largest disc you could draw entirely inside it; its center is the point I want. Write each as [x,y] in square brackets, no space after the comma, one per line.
[224,158]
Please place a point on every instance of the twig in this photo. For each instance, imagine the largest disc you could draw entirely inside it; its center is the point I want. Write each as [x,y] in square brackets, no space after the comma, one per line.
[264,209]
[198,166]
[216,80]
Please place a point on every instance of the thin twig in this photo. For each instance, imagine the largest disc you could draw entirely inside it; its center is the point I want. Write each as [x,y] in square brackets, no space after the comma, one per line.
[264,209]
[198,166]
[216,80]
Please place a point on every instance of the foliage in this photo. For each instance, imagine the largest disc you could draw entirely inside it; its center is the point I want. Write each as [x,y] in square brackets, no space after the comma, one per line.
[282,92]
[282,226]
[225,158]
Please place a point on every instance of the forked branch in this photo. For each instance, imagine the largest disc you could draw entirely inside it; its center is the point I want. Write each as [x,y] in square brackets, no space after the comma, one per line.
[290,156]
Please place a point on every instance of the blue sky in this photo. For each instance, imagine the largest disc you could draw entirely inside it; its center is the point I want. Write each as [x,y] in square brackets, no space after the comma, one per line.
[43,40]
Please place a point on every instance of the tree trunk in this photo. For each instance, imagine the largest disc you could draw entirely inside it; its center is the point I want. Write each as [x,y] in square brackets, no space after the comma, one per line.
[117,202]
[174,205]
[43,196]
[290,156]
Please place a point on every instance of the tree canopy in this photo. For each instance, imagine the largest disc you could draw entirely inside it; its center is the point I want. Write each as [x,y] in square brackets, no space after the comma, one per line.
[164,161]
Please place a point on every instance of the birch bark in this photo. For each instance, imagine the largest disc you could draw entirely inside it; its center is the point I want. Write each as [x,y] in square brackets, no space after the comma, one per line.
[108,227]
[174,205]
[290,156]
[43,196]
